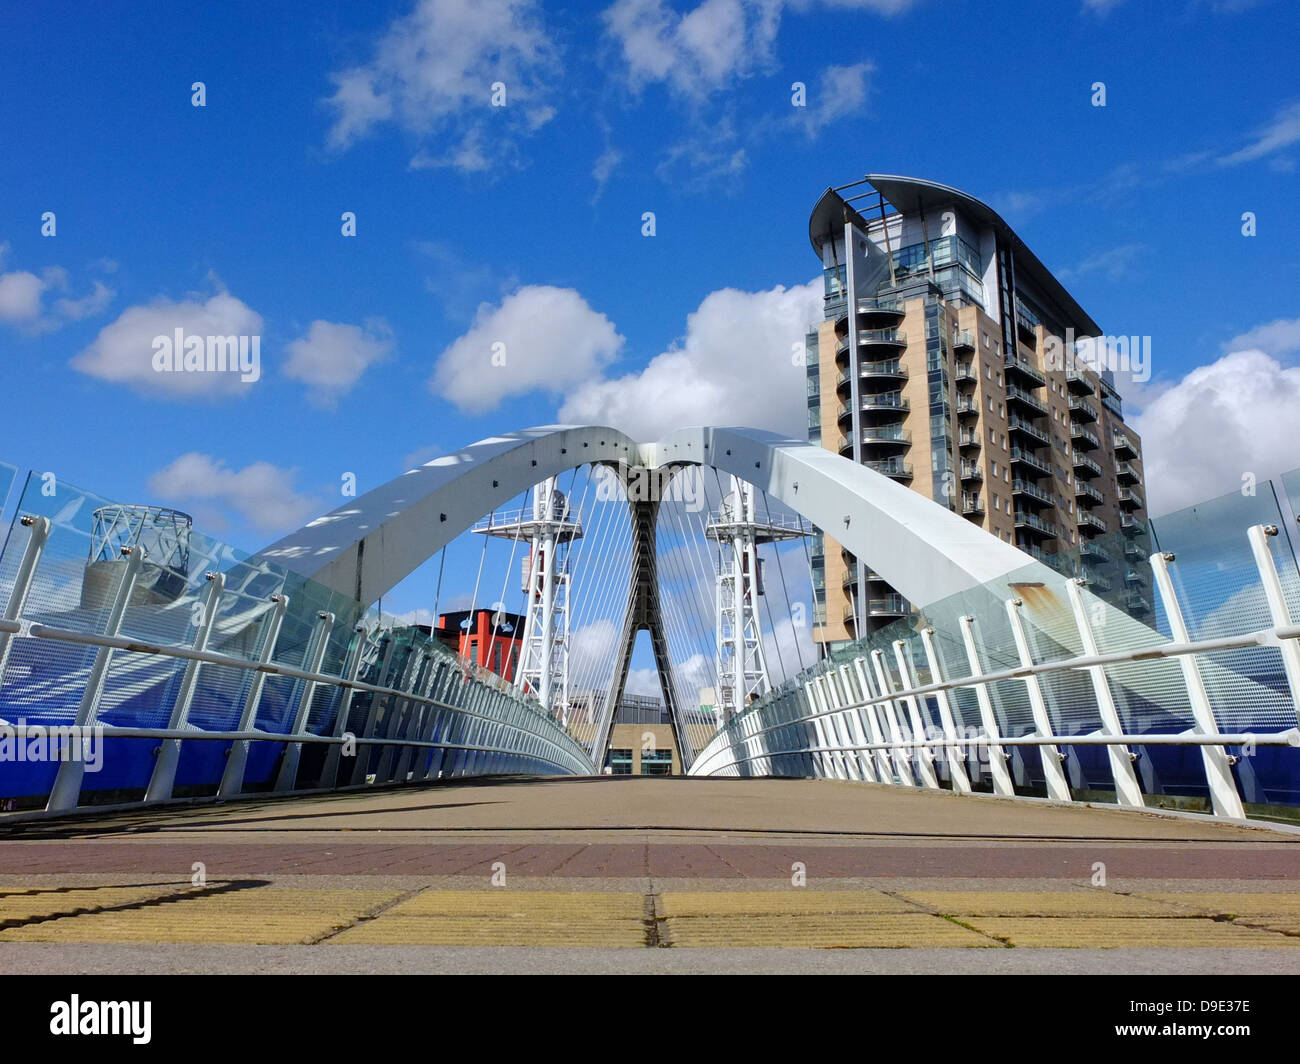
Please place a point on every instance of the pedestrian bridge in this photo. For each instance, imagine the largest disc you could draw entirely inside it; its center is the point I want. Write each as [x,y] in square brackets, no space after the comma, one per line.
[142,662]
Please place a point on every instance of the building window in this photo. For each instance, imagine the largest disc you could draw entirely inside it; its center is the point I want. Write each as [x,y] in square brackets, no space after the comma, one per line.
[620,762]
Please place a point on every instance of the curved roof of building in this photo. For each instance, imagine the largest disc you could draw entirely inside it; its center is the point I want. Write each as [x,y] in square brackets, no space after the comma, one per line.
[912,194]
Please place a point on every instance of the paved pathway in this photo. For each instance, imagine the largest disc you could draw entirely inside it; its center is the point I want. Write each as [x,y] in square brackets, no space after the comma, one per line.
[614,874]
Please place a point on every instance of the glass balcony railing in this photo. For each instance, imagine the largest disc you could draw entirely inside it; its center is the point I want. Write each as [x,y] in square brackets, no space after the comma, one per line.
[1019,424]
[1084,439]
[1127,473]
[1027,370]
[1034,524]
[1028,458]
[1033,491]
[971,471]
[1019,395]
[1086,467]
[892,468]
[1081,409]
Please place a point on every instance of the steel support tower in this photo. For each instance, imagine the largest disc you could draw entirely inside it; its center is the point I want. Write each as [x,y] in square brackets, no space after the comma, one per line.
[741,662]
[544,647]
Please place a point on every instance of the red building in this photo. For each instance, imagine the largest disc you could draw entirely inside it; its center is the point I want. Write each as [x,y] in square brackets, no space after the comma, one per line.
[486,637]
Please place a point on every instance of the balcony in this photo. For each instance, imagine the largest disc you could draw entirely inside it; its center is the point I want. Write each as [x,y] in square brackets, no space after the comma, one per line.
[1127,473]
[965,373]
[1024,489]
[1027,370]
[968,438]
[1131,526]
[1136,603]
[1084,439]
[1028,428]
[1085,467]
[1077,383]
[891,435]
[1124,445]
[882,339]
[889,606]
[1033,525]
[1131,500]
[1098,583]
[1029,402]
[886,369]
[972,505]
[963,341]
[1031,461]
[1086,495]
[1094,551]
[884,401]
[874,314]
[1132,577]
[1028,330]
[971,471]
[1090,524]
[967,407]
[899,470]
[1082,410]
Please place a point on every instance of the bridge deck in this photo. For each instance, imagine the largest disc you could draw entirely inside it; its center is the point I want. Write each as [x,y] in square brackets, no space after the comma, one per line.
[648,874]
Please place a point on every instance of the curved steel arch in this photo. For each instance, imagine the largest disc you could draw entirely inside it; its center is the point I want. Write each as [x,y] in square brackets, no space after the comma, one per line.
[370,544]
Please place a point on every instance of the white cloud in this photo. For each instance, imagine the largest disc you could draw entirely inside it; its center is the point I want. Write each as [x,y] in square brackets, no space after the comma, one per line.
[22,299]
[551,340]
[1283,132]
[261,493]
[1275,338]
[20,296]
[733,367]
[123,351]
[717,42]
[432,72]
[1221,421]
[842,91]
[331,358]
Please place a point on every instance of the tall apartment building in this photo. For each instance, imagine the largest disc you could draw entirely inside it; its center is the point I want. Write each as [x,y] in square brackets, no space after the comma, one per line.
[945,361]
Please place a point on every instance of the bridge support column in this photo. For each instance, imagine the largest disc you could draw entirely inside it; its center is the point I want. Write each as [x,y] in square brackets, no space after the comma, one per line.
[902,762]
[924,755]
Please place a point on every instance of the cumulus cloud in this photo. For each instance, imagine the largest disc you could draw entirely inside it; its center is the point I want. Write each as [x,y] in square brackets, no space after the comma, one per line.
[331,358]
[431,74]
[539,338]
[1221,421]
[261,493]
[1279,337]
[123,352]
[733,367]
[842,91]
[23,294]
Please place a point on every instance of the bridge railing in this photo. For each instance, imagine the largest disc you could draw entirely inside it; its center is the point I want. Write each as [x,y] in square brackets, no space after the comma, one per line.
[1159,666]
[118,685]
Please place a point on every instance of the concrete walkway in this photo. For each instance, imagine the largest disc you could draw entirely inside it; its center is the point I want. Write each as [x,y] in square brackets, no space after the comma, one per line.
[631,874]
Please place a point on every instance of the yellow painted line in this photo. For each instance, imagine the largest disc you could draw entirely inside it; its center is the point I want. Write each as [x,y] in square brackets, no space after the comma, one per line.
[1112,933]
[1234,904]
[776,903]
[1092,902]
[827,931]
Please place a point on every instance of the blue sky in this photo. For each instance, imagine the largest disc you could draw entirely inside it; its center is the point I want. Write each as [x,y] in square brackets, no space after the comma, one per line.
[523,224]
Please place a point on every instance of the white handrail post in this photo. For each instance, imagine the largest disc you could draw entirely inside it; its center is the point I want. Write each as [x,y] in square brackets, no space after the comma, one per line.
[1224,795]
[863,757]
[1127,791]
[351,666]
[1277,608]
[1058,787]
[163,778]
[884,764]
[288,775]
[66,792]
[902,762]
[956,754]
[36,540]
[924,755]
[997,756]
[232,779]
